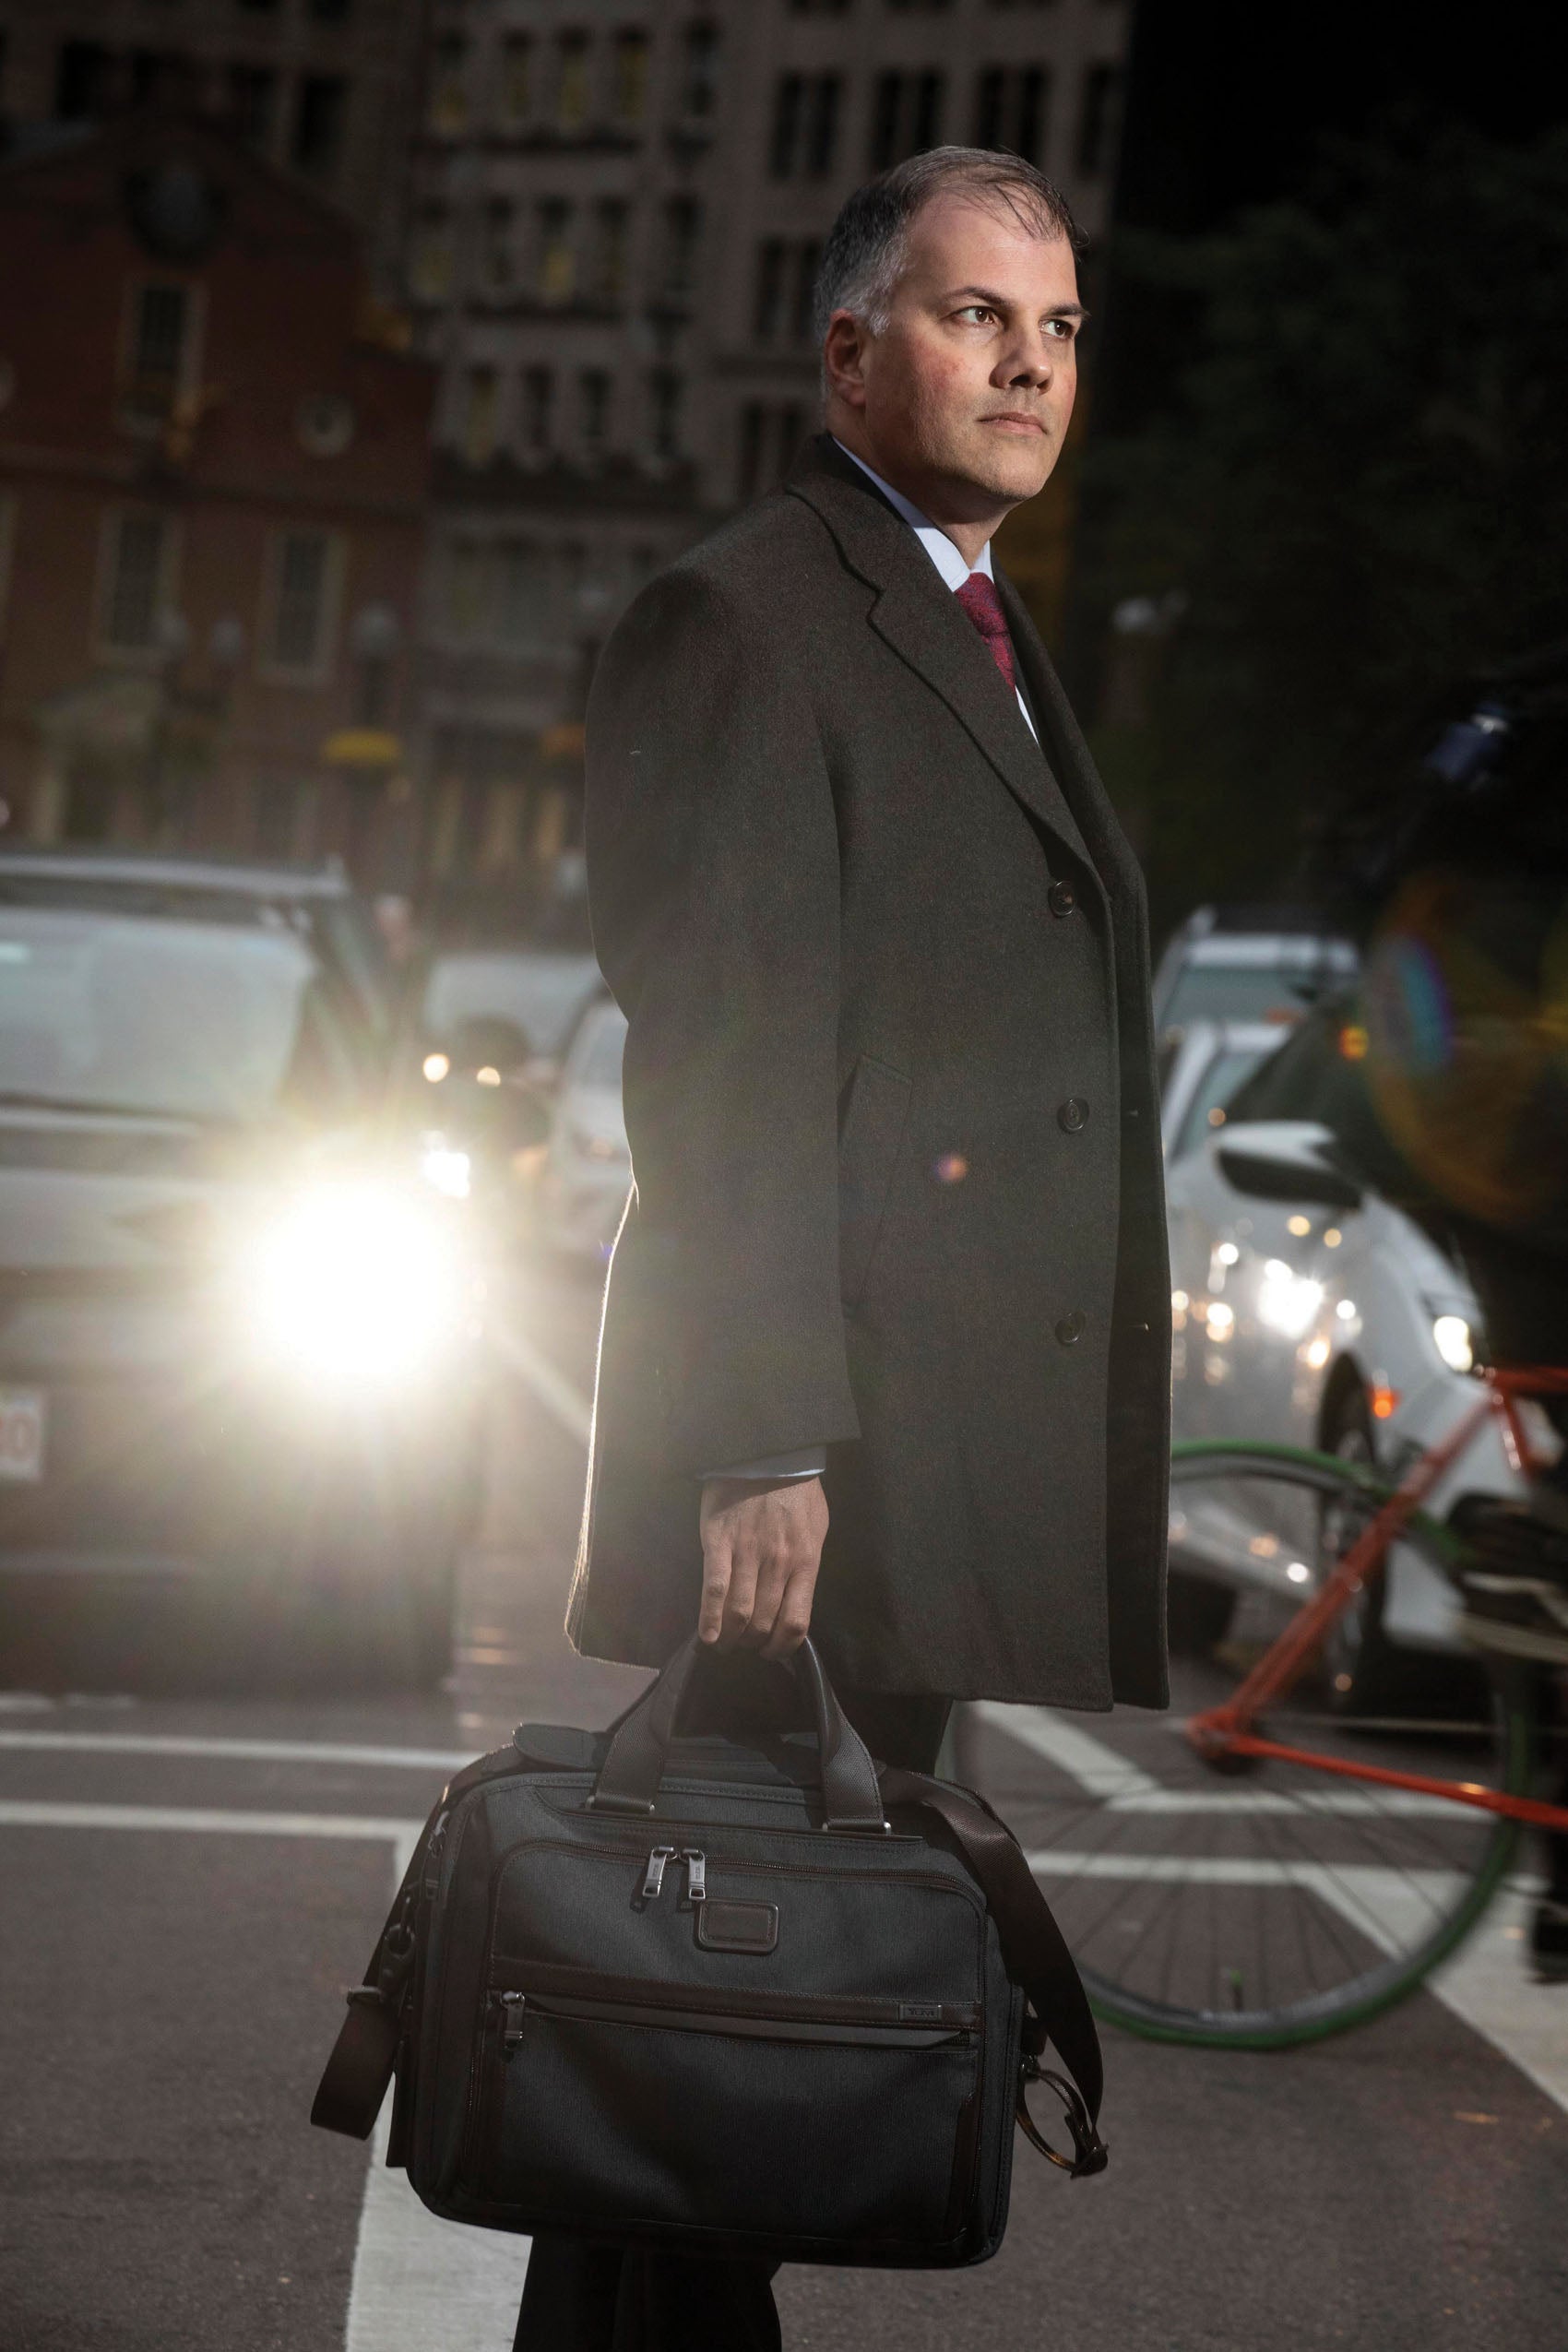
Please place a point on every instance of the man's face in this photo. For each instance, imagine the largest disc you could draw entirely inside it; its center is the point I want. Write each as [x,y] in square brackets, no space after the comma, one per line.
[969,389]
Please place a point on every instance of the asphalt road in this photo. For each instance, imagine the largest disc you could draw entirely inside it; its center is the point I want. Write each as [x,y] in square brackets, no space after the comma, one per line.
[188,1879]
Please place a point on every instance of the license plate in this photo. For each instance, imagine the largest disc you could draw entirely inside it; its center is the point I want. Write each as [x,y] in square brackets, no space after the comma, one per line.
[22,1418]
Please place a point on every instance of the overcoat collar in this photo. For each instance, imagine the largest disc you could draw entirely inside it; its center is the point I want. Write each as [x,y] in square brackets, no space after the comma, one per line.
[919,619]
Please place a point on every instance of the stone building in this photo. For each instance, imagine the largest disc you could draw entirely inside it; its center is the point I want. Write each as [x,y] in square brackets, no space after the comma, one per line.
[613,219]
[214,460]
[325,89]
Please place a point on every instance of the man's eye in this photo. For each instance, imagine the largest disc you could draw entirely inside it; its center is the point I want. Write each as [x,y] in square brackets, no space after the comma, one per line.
[976,311]
[1062,328]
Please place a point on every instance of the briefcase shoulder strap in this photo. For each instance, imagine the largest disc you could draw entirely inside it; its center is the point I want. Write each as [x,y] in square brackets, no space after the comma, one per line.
[1035,1953]
[354,2080]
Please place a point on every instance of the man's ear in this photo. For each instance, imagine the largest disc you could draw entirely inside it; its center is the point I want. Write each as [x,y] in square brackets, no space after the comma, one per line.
[843,359]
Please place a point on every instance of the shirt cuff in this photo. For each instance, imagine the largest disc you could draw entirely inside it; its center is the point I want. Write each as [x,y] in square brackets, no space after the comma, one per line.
[805,1461]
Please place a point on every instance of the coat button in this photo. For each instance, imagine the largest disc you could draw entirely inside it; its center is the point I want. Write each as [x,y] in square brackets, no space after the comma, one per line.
[1062,898]
[1071,1326]
[1074,1114]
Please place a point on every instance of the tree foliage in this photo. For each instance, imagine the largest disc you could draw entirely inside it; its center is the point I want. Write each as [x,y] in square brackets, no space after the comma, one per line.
[1356,494]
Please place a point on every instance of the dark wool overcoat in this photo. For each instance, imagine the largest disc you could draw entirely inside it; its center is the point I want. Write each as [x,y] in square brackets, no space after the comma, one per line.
[890,1091]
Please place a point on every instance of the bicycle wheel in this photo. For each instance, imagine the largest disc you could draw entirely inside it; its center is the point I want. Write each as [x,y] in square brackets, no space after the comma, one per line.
[1259,1903]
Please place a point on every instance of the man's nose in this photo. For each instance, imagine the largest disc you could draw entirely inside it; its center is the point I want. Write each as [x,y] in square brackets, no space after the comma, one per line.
[1031,361]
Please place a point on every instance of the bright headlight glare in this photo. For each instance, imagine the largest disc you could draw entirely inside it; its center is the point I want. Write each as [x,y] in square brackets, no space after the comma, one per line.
[450,1170]
[354,1282]
[1451,1337]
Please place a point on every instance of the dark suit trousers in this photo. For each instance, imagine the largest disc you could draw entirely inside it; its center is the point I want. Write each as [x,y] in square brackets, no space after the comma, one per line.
[582,2298]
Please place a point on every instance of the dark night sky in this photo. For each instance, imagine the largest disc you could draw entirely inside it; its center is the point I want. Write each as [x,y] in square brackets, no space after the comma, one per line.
[1226,98]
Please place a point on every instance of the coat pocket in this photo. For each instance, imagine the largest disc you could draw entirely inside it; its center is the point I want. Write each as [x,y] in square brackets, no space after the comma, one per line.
[874,1112]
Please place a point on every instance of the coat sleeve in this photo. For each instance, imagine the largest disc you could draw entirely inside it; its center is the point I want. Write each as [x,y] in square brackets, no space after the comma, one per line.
[713,888]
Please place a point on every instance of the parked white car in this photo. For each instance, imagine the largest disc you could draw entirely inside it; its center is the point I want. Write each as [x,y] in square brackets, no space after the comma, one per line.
[1309,1310]
[587,1165]
[1250,964]
[1210,1063]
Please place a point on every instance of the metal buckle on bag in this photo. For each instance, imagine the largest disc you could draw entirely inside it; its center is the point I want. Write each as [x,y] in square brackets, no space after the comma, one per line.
[1090,2155]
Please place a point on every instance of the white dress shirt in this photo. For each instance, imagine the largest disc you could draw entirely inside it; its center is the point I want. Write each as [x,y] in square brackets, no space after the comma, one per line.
[810,1461]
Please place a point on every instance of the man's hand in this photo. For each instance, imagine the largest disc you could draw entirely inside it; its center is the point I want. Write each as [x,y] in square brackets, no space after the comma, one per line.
[761,1550]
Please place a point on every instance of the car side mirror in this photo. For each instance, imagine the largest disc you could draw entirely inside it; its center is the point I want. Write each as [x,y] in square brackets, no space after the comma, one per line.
[1288,1161]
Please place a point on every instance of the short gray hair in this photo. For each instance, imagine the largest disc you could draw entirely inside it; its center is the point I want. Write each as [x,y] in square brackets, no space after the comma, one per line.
[868,243]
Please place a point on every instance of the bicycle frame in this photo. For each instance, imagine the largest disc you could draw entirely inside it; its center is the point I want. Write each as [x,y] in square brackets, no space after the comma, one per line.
[1228,1730]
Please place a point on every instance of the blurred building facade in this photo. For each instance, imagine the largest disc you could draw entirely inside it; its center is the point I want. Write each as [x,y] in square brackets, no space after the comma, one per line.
[325,89]
[614,224]
[214,460]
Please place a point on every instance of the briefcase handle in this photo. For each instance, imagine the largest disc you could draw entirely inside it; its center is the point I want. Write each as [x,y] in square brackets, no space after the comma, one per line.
[630,1776]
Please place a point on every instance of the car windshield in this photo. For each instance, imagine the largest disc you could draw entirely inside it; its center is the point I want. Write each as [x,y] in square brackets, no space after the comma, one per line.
[213,1021]
[542,993]
[599,1065]
[1207,991]
[1206,1110]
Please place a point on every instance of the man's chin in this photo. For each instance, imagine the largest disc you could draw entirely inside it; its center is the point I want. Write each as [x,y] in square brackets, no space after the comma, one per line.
[1012,468]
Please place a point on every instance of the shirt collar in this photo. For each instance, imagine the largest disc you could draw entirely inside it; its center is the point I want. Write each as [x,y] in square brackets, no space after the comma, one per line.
[937,544]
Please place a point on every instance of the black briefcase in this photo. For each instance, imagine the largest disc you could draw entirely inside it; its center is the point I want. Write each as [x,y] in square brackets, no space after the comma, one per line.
[748,1999]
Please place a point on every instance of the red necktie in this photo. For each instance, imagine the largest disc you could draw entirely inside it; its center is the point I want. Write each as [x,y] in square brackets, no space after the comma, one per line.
[978,598]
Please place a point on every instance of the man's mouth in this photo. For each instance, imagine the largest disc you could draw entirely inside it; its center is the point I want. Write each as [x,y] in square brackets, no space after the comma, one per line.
[1018,420]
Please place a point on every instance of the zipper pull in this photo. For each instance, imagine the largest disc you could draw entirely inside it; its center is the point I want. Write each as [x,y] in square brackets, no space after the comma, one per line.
[696,1874]
[653,1881]
[513,2008]
[432,1860]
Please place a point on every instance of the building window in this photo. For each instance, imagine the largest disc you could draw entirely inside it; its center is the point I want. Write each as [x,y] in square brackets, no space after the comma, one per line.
[303,595]
[699,72]
[523,599]
[610,222]
[429,257]
[629,85]
[481,415]
[81,80]
[664,412]
[516,78]
[470,575]
[1010,109]
[159,362]
[498,255]
[683,233]
[138,554]
[768,309]
[1099,121]
[593,400]
[449,85]
[769,439]
[571,82]
[253,101]
[538,408]
[805,126]
[318,125]
[808,259]
[557,260]
[906,117]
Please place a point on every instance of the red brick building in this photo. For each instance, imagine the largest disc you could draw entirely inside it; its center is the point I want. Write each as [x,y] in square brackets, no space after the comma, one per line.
[213,463]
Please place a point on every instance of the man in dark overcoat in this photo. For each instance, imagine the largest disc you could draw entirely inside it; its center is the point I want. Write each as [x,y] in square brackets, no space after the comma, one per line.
[886,1349]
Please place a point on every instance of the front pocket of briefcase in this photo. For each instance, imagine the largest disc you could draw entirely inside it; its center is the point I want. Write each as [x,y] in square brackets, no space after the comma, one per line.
[780,2122]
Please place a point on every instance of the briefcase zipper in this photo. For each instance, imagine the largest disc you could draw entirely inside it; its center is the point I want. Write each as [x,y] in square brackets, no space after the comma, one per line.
[658,2005]
[658,1862]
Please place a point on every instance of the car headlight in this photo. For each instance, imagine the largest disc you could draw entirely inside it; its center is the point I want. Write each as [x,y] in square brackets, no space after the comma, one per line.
[448,1168]
[1455,1342]
[355,1281]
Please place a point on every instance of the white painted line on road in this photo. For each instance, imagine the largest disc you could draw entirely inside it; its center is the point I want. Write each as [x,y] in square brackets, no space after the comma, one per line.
[1095,1766]
[24,1813]
[1100,1771]
[420,2284]
[326,1752]
[553,1390]
[1485,1985]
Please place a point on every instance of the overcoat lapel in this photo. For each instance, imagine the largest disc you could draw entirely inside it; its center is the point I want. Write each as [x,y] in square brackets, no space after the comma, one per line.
[921,621]
[1064,742]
